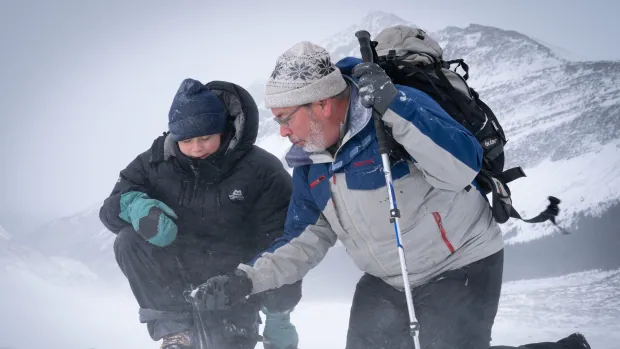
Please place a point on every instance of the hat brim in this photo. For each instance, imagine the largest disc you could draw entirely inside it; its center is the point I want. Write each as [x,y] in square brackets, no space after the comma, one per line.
[197,126]
[277,96]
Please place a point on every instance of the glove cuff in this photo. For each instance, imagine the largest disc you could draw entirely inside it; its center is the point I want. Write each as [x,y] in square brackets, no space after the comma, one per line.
[283,313]
[239,284]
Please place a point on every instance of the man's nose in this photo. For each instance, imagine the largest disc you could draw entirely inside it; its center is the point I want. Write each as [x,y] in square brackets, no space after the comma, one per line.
[285,131]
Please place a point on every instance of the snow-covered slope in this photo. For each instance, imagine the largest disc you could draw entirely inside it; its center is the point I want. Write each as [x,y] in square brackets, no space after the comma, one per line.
[562,118]
[18,260]
[78,243]
[66,251]
[344,43]
[495,55]
[37,315]
[561,51]
[540,310]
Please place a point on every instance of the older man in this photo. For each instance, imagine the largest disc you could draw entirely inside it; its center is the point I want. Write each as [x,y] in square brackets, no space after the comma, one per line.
[454,247]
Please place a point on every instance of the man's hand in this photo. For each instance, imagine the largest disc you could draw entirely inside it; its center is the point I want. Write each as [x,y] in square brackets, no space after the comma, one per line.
[223,291]
[375,86]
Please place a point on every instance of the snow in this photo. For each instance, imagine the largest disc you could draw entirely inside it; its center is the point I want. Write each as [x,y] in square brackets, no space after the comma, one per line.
[561,51]
[72,267]
[530,311]
[373,22]
[38,314]
[471,40]
[547,309]
[276,145]
[568,180]
[58,316]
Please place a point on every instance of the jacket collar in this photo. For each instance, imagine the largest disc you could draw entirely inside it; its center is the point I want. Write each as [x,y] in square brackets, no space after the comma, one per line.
[212,169]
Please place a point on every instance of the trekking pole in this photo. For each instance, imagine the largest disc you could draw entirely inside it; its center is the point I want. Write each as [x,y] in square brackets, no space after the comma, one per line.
[196,315]
[367,55]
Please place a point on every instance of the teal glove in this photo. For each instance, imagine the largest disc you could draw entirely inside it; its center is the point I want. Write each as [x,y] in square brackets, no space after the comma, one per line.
[279,332]
[150,218]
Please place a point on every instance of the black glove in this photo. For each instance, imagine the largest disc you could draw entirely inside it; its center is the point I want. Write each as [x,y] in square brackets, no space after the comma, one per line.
[283,298]
[375,86]
[223,291]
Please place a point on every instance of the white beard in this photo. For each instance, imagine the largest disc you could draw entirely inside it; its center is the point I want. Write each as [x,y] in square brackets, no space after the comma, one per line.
[316,140]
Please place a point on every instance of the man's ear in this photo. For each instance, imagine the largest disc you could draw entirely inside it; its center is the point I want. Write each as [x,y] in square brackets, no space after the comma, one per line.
[326,106]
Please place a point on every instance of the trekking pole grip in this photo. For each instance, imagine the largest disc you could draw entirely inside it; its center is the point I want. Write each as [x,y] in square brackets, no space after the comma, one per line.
[363,37]
[365,48]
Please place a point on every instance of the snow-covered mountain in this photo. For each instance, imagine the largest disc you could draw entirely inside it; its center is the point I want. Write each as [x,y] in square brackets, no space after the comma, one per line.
[562,119]
[344,43]
[25,261]
[78,243]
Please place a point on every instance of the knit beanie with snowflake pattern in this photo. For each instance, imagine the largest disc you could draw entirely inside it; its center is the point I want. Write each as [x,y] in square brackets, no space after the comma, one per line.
[303,74]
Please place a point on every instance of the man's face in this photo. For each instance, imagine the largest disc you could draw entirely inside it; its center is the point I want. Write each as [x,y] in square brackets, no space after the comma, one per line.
[200,147]
[304,126]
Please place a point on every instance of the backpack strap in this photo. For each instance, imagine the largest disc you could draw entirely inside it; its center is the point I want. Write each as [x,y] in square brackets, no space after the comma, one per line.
[452,91]
[502,208]
[489,113]
[549,214]
[460,63]
[397,151]
[409,70]
[511,174]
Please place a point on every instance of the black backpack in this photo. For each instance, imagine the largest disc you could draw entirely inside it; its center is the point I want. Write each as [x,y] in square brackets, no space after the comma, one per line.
[411,58]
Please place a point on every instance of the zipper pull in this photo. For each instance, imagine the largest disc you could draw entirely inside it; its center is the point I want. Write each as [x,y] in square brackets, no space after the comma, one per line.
[194,169]
[196,177]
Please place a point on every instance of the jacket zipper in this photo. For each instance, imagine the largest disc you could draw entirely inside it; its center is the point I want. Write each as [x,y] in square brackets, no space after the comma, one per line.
[354,134]
[202,203]
[219,205]
[196,177]
[182,194]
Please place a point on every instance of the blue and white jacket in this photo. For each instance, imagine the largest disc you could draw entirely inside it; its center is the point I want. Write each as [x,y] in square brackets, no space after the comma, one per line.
[443,226]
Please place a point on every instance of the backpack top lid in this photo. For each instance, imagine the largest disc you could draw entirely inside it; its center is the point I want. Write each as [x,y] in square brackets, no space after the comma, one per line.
[410,44]
[414,47]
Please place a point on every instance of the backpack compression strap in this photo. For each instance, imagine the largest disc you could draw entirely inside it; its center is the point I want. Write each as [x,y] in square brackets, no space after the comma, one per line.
[549,214]
[502,208]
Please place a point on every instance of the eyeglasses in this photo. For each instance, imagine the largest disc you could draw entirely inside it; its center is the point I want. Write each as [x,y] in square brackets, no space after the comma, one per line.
[284,121]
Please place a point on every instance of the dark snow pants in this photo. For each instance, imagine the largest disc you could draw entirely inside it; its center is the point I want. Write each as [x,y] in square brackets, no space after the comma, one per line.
[456,310]
[158,284]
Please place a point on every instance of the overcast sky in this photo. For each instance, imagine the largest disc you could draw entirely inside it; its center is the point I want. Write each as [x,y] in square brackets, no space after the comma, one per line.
[85,86]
